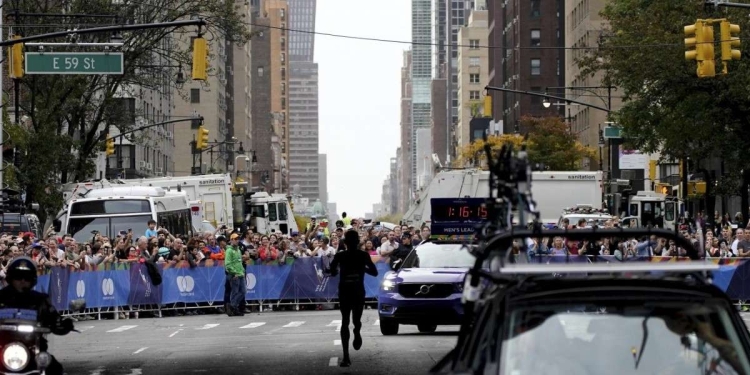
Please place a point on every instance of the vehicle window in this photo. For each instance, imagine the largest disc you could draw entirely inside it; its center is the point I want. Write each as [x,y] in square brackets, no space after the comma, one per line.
[439,256]
[282,211]
[272,212]
[669,211]
[257,211]
[81,228]
[109,207]
[14,223]
[138,224]
[634,209]
[597,339]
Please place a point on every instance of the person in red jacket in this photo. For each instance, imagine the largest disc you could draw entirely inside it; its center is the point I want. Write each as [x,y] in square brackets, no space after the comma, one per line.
[266,252]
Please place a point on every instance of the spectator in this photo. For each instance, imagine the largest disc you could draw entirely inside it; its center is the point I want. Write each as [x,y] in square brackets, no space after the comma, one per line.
[236,277]
[266,252]
[218,252]
[151,231]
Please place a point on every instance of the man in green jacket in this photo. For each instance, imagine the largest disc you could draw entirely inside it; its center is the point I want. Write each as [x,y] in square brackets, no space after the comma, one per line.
[236,276]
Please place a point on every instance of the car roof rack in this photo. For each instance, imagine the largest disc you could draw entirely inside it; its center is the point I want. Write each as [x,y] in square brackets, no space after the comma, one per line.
[607,267]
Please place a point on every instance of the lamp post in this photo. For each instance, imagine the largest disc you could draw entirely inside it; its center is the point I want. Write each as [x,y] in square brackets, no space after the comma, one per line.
[179,77]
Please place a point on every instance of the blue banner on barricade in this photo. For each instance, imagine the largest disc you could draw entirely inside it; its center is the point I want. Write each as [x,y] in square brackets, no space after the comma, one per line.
[42,284]
[142,292]
[58,287]
[268,282]
[109,288]
[303,279]
[311,281]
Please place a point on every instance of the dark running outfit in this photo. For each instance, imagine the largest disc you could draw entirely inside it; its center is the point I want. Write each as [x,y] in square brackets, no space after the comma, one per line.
[352,266]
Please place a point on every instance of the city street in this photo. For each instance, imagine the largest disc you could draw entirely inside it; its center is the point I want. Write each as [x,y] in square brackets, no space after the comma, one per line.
[279,343]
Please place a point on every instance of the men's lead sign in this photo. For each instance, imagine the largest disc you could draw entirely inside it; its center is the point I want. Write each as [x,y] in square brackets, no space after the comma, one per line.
[74,63]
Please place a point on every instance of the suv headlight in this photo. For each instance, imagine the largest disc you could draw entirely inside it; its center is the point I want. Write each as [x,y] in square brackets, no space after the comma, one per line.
[388,285]
[458,287]
[15,356]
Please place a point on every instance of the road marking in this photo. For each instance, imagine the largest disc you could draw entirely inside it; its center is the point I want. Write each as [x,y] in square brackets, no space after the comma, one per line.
[84,329]
[97,371]
[334,361]
[175,332]
[294,324]
[335,323]
[140,350]
[121,329]
[377,322]
[136,371]
[254,325]
[209,326]
[336,342]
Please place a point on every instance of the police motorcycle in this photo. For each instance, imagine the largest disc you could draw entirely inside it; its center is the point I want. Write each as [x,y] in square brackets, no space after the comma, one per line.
[26,318]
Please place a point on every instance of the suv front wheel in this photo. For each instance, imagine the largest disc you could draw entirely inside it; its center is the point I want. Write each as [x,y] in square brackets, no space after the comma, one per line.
[388,328]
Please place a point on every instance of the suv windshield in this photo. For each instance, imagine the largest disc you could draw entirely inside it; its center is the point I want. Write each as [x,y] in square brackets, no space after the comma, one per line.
[431,255]
[645,339]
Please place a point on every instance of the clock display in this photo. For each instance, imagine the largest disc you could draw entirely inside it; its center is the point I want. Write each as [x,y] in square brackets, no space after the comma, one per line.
[458,210]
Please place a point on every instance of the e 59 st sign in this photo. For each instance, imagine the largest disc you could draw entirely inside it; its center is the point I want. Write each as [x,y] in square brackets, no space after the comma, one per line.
[74,63]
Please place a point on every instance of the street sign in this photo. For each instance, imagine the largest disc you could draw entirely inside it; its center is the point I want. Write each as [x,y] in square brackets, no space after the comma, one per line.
[609,131]
[74,63]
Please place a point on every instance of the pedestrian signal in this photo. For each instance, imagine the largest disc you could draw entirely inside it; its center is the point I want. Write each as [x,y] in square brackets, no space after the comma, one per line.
[15,59]
[664,189]
[200,59]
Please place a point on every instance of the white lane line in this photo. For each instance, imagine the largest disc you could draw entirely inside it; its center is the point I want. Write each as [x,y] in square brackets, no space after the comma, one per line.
[97,371]
[121,329]
[334,323]
[294,324]
[84,329]
[377,322]
[336,342]
[175,332]
[136,371]
[140,350]
[209,326]
[254,325]
[333,362]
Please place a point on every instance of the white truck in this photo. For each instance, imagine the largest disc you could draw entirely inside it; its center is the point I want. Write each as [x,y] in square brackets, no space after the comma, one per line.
[552,191]
[211,200]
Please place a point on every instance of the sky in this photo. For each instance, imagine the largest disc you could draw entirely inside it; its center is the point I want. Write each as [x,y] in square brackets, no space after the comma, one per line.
[359,96]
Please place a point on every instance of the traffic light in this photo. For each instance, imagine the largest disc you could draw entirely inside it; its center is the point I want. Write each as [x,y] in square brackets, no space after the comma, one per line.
[729,38]
[15,59]
[701,37]
[200,59]
[664,189]
[202,139]
[110,146]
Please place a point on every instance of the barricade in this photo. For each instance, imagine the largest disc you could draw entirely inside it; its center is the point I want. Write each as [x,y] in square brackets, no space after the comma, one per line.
[128,286]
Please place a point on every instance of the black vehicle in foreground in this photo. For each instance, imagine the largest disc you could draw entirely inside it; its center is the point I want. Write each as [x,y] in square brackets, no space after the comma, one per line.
[578,314]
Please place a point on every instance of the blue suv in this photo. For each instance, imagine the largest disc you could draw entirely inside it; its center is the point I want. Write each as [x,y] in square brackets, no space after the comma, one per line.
[426,290]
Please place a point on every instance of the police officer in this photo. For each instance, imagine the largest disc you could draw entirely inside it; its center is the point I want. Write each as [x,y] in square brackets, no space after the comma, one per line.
[19,294]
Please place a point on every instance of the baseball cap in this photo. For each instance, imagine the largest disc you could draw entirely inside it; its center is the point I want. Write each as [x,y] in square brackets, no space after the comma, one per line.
[220,238]
[234,236]
[295,233]
[37,245]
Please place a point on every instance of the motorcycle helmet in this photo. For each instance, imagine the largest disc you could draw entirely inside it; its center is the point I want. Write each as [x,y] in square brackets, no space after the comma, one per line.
[22,268]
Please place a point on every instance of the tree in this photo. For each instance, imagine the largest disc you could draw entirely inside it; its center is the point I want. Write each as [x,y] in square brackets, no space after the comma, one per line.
[65,116]
[668,109]
[392,218]
[549,143]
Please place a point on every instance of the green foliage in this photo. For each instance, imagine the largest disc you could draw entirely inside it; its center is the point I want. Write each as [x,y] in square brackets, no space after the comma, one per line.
[66,116]
[302,222]
[551,143]
[667,107]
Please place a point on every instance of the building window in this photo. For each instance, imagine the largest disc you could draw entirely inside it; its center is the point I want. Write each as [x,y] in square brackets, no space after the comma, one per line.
[283,74]
[535,11]
[536,67]
[473,61]
[282,14]
[195,96]
[558,67]
[283,88]
[283,58]
[474,78]
[536,38]
[283,103]
[283,43]
[473,43]
[473,95]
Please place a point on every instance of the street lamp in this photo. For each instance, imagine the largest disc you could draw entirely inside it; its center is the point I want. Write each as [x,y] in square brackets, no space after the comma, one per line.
[601,148]
[546,103]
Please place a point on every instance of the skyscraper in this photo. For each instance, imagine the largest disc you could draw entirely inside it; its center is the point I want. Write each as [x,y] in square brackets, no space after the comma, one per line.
[421,76]
[303,101]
